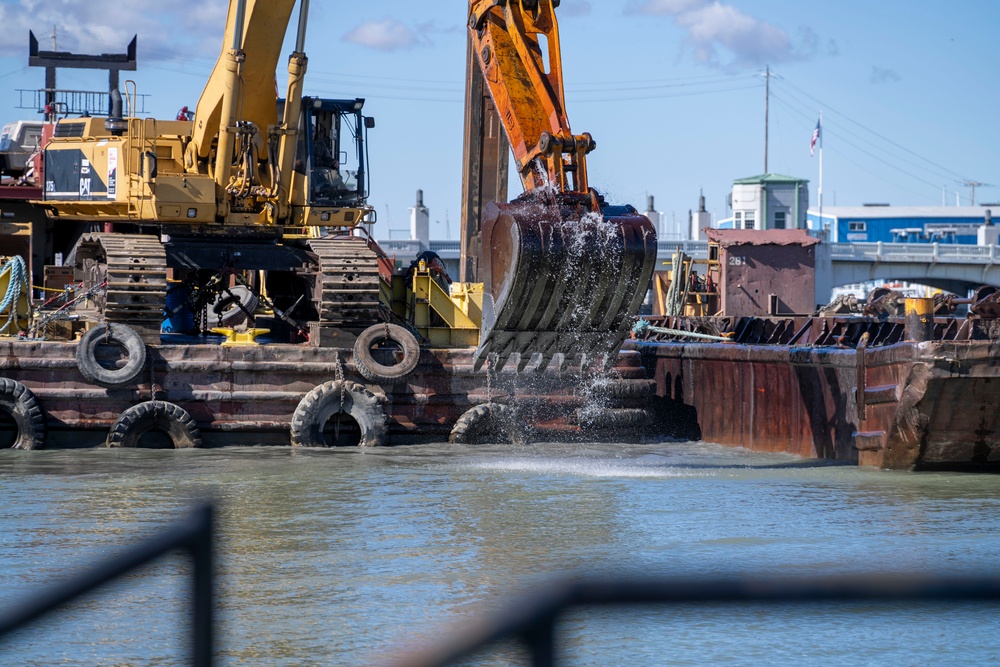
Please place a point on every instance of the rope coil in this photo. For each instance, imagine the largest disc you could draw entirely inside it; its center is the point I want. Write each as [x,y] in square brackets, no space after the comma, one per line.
[17,285]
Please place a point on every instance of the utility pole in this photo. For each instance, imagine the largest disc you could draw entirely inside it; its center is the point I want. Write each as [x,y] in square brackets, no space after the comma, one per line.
[972,186]
[767,109]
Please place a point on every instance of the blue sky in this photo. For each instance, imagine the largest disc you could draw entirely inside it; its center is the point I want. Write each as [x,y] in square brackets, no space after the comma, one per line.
[672,90]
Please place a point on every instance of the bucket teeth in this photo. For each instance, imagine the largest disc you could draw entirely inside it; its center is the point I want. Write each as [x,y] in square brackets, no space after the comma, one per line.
[561,286]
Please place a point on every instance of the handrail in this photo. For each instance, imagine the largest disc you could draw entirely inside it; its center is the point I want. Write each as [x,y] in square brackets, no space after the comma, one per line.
[532,619]
[193,535]
[840,252]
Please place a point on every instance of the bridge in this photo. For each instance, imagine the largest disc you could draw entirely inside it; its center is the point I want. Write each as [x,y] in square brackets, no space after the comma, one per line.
[952,267]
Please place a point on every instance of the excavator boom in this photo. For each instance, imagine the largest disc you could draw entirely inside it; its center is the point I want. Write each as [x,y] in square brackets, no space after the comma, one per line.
[259,36]
[565,272]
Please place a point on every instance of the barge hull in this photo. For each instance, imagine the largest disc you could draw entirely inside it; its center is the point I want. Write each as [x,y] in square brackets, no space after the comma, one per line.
[247,395]
[908,406]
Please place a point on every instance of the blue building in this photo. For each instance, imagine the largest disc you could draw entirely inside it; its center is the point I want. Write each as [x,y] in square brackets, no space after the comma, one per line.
[901,224]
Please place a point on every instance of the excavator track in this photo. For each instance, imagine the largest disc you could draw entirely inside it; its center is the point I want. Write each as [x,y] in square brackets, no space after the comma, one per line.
[347,282]
[135,267]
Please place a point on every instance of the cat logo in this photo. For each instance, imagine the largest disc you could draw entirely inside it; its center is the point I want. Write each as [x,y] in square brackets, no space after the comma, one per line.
[84,188]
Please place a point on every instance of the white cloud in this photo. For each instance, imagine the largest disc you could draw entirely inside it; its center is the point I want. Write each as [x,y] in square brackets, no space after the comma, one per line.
[720,34]
[389,34]
[166,31]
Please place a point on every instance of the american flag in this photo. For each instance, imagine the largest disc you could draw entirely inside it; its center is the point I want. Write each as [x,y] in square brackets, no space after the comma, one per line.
[815,138]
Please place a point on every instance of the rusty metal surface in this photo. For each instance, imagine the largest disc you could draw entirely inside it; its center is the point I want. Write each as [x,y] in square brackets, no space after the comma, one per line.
[843,332]
[755,237]
[923,406]
[246,395]
[901,405]
[775,398]
[760,279]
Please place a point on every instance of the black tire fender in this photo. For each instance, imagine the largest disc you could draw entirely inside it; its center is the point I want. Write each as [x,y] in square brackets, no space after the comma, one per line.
[20,403]
[378,373]
[128,429]
[127,338]
[488,423]
[330,398]
[614,418]
[625,388]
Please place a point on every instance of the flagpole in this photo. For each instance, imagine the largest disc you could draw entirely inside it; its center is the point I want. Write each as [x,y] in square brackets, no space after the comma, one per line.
[822,223]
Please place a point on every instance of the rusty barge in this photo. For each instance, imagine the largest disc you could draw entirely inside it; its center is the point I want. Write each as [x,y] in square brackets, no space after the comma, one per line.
[879,389]
[851,391]
[254,217]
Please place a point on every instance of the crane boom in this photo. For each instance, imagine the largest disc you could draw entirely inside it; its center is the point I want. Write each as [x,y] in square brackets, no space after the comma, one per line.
[260,32]
[565,273]
[526,83]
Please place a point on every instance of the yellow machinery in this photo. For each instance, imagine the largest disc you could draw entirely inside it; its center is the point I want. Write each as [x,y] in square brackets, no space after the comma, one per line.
[565,272]
[249,184]
[445,318]
[682,290]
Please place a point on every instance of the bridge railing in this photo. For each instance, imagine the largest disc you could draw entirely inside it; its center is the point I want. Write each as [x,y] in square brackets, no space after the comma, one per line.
[915,252]
[840,252]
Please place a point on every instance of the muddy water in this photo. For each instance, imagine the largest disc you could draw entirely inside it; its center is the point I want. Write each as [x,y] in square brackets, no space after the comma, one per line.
[333,557]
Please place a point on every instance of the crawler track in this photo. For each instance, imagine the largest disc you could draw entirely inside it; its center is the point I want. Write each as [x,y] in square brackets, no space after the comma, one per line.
[347,289]
[135,267]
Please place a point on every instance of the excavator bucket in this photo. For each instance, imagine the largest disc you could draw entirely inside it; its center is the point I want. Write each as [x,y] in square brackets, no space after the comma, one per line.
[561,279]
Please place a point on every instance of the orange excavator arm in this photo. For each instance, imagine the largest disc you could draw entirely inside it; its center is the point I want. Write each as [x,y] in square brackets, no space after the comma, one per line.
[564,272]
[524,75]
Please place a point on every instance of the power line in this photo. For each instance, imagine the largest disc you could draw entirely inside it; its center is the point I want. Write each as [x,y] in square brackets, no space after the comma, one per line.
[17,71]
[884,161]
[840,131]
[867,129]
[881,175]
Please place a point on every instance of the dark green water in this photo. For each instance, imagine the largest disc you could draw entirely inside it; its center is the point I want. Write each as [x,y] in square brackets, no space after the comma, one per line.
[336,557]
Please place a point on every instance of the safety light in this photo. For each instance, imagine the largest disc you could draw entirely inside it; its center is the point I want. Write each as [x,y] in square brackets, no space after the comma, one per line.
[192,212]
[325,216]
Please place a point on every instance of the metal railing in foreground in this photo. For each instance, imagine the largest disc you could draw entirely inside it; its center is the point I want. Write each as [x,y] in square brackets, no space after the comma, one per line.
[532,620]
[193,536]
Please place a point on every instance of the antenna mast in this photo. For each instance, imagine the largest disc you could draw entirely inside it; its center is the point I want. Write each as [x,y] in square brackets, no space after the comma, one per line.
[767,109]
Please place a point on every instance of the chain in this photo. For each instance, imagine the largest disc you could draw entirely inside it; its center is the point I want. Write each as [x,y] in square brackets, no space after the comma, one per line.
[340,377]
[343,395]
[152,380]
[489,373]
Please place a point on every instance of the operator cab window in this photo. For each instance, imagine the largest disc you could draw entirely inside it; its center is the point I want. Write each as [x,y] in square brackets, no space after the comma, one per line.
[333,170]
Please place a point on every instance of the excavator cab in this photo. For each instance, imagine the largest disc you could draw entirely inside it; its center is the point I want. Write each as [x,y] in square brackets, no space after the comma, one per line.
[331,152]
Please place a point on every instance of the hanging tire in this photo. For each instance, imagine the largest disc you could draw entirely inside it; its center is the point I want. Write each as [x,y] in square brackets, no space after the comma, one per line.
[334,397]
[99,373]
[494,423]
[386,339]
[230,308]
[21,406]
[167,418]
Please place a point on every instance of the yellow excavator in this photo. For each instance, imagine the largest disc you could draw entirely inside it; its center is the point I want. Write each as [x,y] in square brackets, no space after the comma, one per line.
[565,272]
[251,189]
